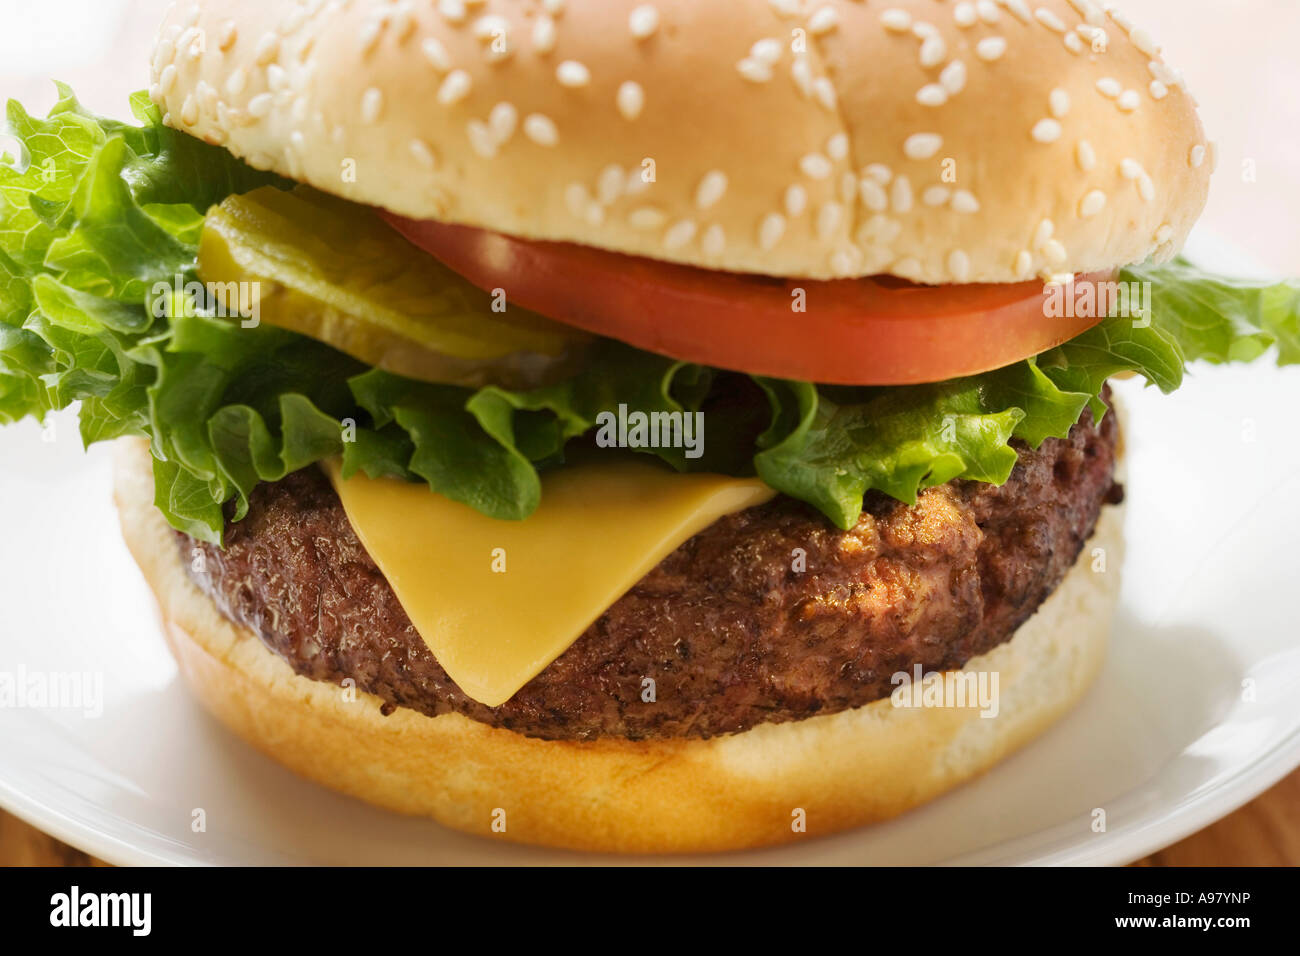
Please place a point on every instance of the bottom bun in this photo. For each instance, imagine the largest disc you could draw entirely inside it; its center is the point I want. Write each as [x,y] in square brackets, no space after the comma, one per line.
[772,784]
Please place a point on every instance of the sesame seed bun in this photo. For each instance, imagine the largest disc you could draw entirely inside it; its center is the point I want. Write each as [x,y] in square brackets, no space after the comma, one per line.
[687,795]
[941,142]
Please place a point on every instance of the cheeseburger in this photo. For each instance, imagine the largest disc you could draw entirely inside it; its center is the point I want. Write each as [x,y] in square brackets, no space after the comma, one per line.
[634,426]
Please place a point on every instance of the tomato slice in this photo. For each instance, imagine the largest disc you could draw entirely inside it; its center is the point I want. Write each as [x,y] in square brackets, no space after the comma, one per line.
[878,330]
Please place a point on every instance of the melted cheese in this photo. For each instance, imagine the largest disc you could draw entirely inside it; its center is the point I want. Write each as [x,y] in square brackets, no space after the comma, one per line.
[600,528]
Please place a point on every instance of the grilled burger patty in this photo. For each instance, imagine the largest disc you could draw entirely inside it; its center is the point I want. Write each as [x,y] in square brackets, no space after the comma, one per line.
[730,632]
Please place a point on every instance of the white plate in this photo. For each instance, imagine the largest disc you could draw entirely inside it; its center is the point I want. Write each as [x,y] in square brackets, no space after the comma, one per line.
[1165,742]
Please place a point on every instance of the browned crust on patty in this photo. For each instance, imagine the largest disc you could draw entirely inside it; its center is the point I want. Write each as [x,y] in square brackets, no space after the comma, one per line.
[729,631]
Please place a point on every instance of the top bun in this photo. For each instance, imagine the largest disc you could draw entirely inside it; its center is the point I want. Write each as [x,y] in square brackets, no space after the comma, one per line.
[937,141]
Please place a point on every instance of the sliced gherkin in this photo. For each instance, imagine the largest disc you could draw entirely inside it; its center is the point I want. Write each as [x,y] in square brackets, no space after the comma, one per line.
[333,270]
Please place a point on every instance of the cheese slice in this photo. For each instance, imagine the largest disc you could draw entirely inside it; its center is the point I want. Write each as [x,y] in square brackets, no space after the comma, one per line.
[496,601]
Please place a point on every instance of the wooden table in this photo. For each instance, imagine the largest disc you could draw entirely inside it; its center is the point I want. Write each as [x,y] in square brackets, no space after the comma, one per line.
[1245,73]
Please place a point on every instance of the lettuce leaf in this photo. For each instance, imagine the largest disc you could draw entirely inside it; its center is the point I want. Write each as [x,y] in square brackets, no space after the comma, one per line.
[98,216]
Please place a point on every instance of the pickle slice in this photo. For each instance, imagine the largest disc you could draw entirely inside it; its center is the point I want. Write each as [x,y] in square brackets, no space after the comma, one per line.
[335,271]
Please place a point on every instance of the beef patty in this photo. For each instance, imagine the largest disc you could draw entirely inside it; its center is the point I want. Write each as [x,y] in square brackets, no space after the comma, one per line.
[734,627]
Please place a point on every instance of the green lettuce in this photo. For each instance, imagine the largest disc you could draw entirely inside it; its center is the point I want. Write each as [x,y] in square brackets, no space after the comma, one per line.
[97,216]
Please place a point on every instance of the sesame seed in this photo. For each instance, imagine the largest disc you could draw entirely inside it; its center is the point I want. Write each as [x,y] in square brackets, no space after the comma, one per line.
[276,78]
[785,8]
[1142,40]
[1073,43]
[895,19]
[610,183]
[189,111]
[766,50]
[643,21]
[756,71]
[815,166]
[1165,74]
[1109,87]
[964,14]
[1054,251]
[1046,130]
[1092,203]
[932,94]
[900,194]
[576,199]
[936,195]
[959,265]
[879,172]
[369,35]
[879,229]
[259,105]
[988,12]
[636,183]
[541,129]
[455,87]
[1020,9]
[933,51]
[422,153]
[226,38]
[770,230]
[436,54]
[829,217]
[1024,262]
[837,147]
[711,188]
[1130,168]
[953,77]
[843,261]
[164,53]
[873,194]
[965,201]
[1059,100]
[594,214]
[268,48]
[630,99]
[192,17]
[1049,19]
[1158,90]
[1146,188]
[714,240]
[168,78]
[922,145]
[502,121]
[796,200]
[553,7]
[923,31]
[453,11]
[544,34]
[372,102]
[824,90]
[571,73]
[801,75]
[990,48]
[646,217]
[823,21]
[1128,101]
[1195,158]
[1043,232]
[1164,234]
[1084,155]
[403,22]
